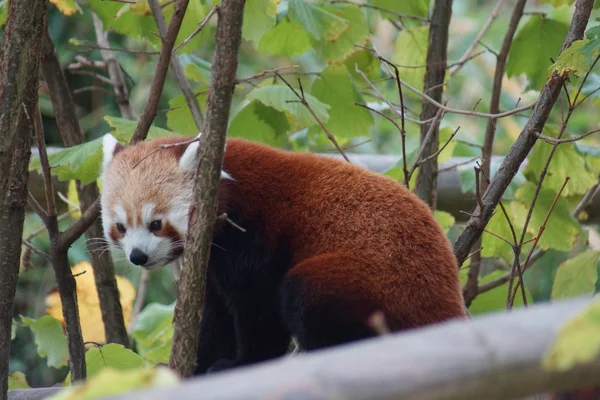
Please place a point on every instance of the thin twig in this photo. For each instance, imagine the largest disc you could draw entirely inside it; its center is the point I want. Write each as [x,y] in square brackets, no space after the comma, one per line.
[571,139]
[198,29]
[139,300]
[303,101]
[37,251]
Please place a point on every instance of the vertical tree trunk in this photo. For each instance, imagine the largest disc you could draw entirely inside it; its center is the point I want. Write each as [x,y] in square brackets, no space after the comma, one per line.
[434,78]
[190,296]
[18,103]
[70,132]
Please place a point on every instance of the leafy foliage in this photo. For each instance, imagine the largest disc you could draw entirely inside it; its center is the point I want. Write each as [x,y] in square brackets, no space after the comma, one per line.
[577,276]
[577,342]
[49,338]
[536,42]
[154,332]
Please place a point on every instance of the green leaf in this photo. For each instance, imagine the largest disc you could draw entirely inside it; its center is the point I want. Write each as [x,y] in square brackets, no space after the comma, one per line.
[17,380]
[195,68]
[561,229]
[179,117]
[335,88]
[283,99]
[259,17]
[194,13]
[153,332]
[571,60]
[78,162]
[3,12]
[111,382]
[535,43]
[50,339]
[123,129]
[492,245]
[260,123]
[567,162]
[591,48]
[121,18]
[418,8]
[346,43]
[577,342]
[577,276]
[445,219]
[13,331]
[314,18]
[411,55]
[285,39]
[495,299]
[558,3]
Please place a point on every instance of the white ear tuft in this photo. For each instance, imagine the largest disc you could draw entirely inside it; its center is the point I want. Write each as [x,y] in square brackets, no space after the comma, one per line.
[189,159]
[110,146]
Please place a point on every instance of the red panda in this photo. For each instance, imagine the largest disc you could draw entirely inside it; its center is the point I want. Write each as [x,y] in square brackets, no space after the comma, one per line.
[326,245]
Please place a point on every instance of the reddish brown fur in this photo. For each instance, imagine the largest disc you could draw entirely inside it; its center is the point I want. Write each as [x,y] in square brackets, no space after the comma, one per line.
[365,243]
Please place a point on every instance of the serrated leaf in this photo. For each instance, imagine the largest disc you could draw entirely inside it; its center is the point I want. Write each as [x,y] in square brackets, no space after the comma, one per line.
[335,88]
[153,332]
[578,341]
[179,117]
[110,382]
[576,276]
[445,219]
[410,55]
[571,60]
[260,123]
[67,7]
[561,229]
[17,380]
[285,39]
[259,17]
[122,129]
[417,8]
[80,162]
[315,19]
[283,99]
[345,44]
[535,43]
[50,340]
[567,161]
[591,48]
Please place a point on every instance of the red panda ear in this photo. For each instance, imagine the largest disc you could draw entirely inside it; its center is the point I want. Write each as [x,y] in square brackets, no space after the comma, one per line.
[110,147]
[189,158]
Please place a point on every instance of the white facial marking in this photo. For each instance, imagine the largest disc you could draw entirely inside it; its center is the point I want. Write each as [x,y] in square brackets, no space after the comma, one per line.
[147,216]
[121,214]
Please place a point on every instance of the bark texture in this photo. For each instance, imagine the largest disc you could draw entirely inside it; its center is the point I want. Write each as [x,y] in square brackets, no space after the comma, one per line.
[19,66]
[190,295]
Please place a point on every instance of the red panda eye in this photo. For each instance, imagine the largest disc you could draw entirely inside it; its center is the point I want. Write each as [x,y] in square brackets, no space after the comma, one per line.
[155,226]
[121,228]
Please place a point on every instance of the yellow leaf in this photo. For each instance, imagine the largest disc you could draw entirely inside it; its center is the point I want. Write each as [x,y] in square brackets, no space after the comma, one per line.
[92,325]
[141,8]
[67,7]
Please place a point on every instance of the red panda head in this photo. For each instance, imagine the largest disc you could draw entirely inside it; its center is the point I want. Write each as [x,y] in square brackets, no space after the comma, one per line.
[146,196]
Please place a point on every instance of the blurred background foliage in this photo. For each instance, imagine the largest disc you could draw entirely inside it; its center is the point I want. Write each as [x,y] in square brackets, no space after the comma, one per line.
[272,41]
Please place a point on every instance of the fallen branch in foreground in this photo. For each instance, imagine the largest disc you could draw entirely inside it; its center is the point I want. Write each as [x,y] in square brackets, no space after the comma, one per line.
[492,357]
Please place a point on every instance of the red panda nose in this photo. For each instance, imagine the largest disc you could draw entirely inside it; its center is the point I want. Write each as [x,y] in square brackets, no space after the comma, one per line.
[138,257]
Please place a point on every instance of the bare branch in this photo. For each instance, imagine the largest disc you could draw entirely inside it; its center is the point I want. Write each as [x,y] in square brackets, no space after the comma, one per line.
[196,31]
[168,42]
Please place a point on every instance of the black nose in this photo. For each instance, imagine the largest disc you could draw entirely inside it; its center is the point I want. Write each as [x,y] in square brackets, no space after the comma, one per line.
[138,257]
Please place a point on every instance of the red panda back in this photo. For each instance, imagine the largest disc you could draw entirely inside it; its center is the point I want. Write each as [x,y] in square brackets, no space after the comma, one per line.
[382,237]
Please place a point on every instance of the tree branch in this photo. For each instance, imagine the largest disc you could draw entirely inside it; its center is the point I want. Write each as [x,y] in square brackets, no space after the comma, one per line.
[176,67]
[190,295]
[434,78]
[168,42]
[524,142]
[19,65]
